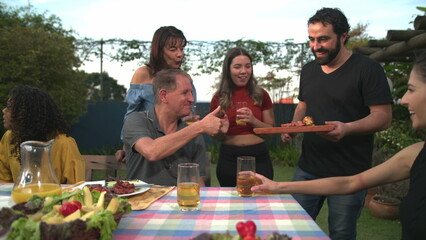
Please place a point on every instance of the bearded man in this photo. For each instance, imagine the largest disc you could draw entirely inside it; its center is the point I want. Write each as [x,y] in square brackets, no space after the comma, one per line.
[351,92]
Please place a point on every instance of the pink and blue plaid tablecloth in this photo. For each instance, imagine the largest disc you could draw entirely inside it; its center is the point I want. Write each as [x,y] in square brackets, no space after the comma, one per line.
[220,210]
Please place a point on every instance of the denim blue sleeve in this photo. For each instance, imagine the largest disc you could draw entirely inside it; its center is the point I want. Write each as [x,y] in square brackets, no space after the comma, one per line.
[139,97]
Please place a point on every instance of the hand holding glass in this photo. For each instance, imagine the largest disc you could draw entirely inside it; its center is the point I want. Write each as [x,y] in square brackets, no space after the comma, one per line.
[188,186]
[246,175]
[239,106]
[191,118]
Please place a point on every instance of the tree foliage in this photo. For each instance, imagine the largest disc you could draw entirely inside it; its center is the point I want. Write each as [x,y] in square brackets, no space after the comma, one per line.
[358,36]
[36,50]
[206,57]
[109,90]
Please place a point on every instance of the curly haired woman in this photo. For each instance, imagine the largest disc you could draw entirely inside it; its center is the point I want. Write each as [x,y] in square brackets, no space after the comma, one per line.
[31,114]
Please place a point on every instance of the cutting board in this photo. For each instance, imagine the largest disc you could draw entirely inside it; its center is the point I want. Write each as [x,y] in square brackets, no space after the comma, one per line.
[301,129]
[143,200]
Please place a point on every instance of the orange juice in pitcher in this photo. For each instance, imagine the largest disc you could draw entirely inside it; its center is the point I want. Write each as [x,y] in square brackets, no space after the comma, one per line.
[22,194]
[36,176]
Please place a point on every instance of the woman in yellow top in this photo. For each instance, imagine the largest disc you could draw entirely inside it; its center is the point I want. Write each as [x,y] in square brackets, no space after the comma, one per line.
[31,114]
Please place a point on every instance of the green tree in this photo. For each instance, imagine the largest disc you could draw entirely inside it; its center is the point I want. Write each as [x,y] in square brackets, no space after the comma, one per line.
[36,50]
[110,90]
[358,36]
[206,57]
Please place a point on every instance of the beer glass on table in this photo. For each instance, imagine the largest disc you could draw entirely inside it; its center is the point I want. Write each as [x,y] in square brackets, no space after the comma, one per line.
[246,171]
[188,186]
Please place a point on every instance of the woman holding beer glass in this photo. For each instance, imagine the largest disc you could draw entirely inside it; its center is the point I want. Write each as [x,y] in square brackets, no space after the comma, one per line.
[239,86]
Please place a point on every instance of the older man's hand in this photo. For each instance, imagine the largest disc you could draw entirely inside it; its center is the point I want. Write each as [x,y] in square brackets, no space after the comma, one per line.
[211,124]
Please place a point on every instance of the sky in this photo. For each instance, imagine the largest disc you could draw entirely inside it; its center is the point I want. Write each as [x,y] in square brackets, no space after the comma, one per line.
[201,20]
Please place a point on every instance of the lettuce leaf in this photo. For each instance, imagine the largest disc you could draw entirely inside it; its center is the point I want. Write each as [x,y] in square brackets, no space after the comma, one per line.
[8,215]
[95,195]
[104,220]
[33,205]
[56,200]
[123,206]
[23,228]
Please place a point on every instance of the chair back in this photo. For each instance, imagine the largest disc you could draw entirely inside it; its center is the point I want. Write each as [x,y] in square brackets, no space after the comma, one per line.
[102,162]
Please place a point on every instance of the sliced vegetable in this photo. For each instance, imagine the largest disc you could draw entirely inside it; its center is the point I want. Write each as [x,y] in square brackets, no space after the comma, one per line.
[73,216]
[241,229]
[246,230]
[251,228]
[88,200]
[69,208]
[113,205]
[87,215]
[101,200]
[57,199]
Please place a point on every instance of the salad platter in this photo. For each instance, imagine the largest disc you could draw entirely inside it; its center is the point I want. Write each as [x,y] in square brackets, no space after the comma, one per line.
[82,212]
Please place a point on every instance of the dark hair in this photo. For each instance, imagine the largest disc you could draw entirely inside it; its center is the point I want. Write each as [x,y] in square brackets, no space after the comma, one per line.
[159,40]
[420,65]
[227,86]
[35,116]
[332,16]
[166,79]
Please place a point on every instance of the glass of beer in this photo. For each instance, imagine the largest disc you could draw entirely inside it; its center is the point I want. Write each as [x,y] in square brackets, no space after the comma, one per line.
[246,171]
[239,106]
[191,117]
[188,186]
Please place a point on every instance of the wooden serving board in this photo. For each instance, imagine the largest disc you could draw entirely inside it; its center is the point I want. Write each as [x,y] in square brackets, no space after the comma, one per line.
[316,128]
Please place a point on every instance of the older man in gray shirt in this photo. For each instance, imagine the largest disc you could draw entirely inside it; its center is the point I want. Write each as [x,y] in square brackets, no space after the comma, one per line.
[157,140]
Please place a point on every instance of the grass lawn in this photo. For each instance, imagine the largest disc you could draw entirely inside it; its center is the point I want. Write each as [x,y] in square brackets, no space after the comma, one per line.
[369,227]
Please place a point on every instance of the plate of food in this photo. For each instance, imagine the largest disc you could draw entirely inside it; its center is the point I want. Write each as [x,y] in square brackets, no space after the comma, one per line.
[122,188]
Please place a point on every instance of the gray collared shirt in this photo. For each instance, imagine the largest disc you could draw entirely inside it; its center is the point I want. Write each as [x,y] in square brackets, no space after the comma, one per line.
[164,172]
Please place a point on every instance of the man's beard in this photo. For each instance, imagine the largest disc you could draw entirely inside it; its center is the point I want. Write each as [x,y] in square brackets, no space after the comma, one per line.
[332,53]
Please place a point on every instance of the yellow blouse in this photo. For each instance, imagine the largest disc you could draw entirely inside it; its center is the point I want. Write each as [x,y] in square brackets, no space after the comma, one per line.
[66,160]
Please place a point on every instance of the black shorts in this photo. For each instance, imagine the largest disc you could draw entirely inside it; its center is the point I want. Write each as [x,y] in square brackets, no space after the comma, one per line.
[226,170]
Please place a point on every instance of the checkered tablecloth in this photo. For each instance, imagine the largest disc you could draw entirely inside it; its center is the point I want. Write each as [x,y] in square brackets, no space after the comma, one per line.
[5,190]
[221,209]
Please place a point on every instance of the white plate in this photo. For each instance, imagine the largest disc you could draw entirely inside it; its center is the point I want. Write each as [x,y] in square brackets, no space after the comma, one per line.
[102,182]
[138,190]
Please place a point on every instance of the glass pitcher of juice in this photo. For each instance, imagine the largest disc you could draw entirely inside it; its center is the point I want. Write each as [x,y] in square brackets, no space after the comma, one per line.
[36,176]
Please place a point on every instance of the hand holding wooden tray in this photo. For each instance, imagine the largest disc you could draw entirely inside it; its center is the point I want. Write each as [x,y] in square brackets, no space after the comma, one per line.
[298,129]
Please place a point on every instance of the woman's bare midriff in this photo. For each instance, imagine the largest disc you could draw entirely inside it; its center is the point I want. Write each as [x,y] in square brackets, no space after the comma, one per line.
[243,140]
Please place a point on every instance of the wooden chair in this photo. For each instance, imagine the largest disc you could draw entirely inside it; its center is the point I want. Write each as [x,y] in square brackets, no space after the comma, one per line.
[102,162]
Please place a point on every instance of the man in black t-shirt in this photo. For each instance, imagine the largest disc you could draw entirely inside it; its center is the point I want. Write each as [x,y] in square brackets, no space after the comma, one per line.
[351,92]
